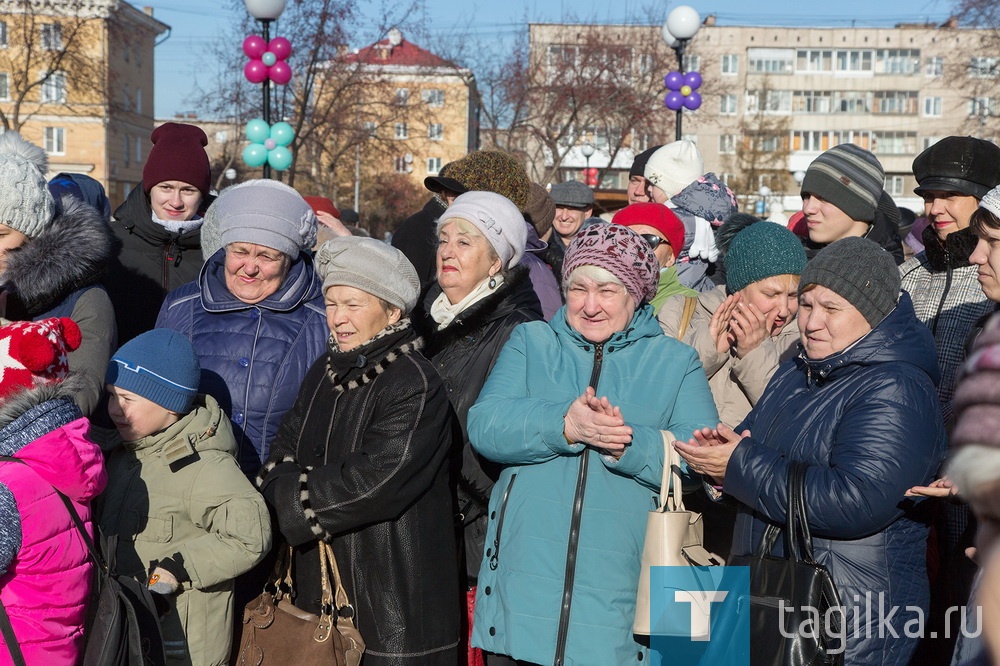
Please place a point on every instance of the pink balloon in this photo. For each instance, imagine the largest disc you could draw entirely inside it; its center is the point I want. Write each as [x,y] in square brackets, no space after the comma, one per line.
[254,46]
[280,73]
[280,47]
[255,71]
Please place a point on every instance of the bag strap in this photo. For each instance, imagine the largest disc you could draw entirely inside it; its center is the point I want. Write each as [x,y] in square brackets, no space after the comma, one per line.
[802,536]
[671,495]
[9,638]
[690,303]
[344,609]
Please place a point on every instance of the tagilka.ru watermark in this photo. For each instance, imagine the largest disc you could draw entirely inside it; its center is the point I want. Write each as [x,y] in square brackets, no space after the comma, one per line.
[701,615]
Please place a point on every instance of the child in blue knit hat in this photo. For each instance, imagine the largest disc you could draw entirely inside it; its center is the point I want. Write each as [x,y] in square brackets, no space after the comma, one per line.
[186,517]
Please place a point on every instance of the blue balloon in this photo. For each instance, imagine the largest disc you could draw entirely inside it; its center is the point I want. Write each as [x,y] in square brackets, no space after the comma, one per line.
[282,133]
[255,155]
[673,80]
[269,58]
[280,158]
[692,101]
[258,131]
[674,100]
[692,79]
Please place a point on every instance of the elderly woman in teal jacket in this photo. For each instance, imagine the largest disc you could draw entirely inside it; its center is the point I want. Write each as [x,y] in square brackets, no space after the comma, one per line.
[568,514]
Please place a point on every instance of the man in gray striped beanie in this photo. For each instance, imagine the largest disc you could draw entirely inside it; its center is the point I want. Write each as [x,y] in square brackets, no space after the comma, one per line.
[840,193]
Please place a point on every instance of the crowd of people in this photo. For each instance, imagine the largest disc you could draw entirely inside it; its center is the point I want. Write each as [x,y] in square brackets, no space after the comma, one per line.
[473,417]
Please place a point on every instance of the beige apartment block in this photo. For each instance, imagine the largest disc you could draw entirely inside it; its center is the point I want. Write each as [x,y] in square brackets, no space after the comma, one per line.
[427,115]
[787,94]
[95,114]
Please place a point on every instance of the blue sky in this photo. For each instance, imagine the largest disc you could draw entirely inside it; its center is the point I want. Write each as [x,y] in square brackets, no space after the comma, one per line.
[195,25]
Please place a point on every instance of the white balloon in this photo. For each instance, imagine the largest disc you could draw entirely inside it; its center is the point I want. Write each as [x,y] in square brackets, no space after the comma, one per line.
[683,22]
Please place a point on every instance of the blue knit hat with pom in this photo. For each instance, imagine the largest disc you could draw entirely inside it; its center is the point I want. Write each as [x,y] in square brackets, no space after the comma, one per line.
[161,366]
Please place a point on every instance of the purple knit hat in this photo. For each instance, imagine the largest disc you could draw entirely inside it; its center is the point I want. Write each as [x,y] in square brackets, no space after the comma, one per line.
[620,251]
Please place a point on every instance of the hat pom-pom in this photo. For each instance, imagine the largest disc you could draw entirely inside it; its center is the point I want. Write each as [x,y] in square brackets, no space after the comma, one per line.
[71,333]
[35,351]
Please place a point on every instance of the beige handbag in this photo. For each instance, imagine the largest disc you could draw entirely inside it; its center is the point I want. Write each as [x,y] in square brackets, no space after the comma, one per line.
[673,539]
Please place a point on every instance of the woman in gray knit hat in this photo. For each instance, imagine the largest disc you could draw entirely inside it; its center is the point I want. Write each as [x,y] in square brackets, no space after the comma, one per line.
[362,462]
[858,406]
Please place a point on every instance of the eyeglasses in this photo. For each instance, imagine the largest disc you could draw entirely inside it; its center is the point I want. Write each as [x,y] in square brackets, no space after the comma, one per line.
[654,240]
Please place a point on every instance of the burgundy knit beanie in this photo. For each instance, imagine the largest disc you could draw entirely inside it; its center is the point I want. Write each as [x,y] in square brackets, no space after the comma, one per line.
[621,252]
[178,153]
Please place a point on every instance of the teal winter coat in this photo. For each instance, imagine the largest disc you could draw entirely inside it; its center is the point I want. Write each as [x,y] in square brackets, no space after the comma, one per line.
[567,524]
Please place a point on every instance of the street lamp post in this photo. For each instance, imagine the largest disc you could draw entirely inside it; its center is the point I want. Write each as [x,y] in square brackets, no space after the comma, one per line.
[266,11]
[680,27]
[588,150]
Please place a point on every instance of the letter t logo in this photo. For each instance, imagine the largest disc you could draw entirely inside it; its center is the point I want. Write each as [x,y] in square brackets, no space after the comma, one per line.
[701,627]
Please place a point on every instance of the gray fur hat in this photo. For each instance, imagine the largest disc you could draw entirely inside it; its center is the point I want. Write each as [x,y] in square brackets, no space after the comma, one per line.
[371,266]
[26,205]
[266,212]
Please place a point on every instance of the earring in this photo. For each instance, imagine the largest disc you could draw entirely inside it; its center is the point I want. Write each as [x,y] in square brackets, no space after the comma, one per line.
[493,282]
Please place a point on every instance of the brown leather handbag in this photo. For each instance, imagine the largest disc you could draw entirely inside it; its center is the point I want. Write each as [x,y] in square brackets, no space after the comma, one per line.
[276,632]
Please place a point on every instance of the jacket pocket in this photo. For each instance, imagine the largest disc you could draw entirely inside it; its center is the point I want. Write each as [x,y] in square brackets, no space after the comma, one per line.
[155,530]
[495,556]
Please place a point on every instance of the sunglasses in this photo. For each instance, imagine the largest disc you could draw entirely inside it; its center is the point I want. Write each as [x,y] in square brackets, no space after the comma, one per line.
[654,240]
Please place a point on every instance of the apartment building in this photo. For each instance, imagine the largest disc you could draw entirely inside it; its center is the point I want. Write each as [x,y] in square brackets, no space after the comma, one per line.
[76,77]
[776,97]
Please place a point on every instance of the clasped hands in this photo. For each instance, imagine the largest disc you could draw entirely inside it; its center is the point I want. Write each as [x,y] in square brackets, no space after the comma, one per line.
[709,451]
[598,424]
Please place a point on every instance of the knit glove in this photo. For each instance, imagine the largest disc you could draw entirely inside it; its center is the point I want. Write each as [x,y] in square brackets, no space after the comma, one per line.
[703,246]
[167,575]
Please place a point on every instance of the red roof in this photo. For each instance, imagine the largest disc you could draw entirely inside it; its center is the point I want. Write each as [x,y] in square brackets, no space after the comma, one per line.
[405,54]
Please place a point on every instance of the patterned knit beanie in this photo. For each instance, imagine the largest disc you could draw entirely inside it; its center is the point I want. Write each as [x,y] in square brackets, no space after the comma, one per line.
[493,171]
[860,271]
[762,250]
[621,252]
[178,153]
[25,202]
[161,366]
[849,177]
[35,352]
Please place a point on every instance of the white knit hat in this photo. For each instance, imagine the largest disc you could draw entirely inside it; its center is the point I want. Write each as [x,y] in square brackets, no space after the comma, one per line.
[675,166]
[25,202]
[991,201]
[497,218]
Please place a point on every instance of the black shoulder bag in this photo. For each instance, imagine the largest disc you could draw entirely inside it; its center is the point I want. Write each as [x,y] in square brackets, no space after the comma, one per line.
[795,610]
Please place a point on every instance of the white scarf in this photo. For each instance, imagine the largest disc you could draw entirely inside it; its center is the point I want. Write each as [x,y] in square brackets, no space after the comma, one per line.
[443,312]
[179,227]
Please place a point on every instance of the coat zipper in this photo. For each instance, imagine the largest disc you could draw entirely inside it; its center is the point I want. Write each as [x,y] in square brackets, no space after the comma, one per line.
[574,529]
[944,295]
[495,558]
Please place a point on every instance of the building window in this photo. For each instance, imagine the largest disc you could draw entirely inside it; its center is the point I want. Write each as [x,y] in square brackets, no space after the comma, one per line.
[433,97]
[400,164]
[3,34]
[897,61]
[727,105]
[55,140]
[727,144]
[726,177]
[402,96]
[401,131]
[930,141]
[812,101]
[933,106]
[691,62]
[4,87]
[765,143]
[894,143]
[435,132]
[854,60]
[138,149]
[934,66]
[813,141]
[371,128]
[894,184]
[771,61]
[138,100]
[52,36]
[895,102]
[433,165]
[852,101]
[128,149]
[731,64]
[814,60]
[126,98]
[54,89]
[775,101]
[983,106]
[983,67]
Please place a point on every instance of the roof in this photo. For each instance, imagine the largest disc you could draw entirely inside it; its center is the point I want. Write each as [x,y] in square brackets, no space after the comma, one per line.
[402,54]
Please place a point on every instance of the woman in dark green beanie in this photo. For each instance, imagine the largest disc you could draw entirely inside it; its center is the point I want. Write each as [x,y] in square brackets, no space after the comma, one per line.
[744,330]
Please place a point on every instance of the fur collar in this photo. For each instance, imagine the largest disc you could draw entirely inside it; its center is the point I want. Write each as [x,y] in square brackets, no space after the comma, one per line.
[71,252]
[15,406]
[391,347]
[953,252]
[474,317]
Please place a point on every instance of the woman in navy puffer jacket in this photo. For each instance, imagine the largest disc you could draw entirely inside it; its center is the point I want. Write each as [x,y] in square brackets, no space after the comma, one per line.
[255,316]
[859,406]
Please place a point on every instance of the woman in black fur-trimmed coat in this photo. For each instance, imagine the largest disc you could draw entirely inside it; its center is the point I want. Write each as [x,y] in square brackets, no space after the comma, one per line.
[58,274]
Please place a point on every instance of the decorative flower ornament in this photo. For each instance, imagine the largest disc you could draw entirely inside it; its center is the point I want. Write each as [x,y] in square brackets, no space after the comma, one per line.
[682,89]
[267,60]
[268,143]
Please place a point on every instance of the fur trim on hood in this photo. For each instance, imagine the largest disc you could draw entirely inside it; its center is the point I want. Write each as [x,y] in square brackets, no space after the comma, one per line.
[17,405]
[72,252]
